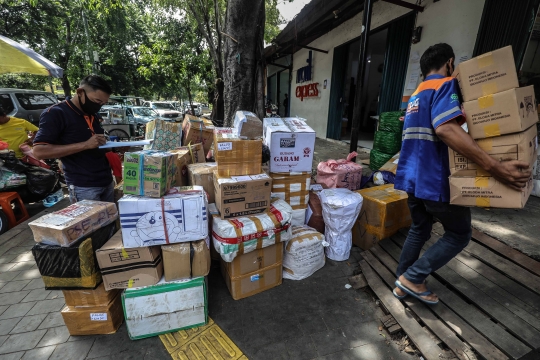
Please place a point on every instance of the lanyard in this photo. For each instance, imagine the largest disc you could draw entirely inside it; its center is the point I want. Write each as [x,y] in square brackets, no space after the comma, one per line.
[90,121]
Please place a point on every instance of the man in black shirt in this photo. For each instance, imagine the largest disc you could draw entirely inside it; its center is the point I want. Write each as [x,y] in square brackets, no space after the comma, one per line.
[71,131]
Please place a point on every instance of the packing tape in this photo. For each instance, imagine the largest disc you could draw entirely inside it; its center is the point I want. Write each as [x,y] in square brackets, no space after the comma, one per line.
[481,181]
[486,101]
[485,60]
[130,283]
[489,88]
[482,172]
[482,202]
[485,144]
[124,253]
[492,130]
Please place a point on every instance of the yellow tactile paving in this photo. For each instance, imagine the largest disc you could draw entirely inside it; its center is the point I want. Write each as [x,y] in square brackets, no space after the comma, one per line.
[204,343]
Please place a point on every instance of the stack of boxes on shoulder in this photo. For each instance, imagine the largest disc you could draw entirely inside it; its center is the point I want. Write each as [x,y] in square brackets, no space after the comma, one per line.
[501,117]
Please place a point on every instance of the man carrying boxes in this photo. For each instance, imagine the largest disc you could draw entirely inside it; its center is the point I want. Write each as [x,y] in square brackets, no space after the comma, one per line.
[432,124]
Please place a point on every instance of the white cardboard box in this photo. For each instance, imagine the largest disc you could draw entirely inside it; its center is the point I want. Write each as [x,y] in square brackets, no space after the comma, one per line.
[291,142]
[185,215]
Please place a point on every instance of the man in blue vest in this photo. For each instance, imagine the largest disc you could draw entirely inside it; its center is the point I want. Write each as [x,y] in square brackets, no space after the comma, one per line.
[432,124]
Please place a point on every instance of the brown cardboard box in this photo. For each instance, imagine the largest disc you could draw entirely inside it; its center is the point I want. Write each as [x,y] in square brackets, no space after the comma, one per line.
[314,213]
[236,156]
[149,173]
[253,283]
[242,195]
[391,165]
[186,260]
[126,268]
[487,192]
[255,260]
[487,74]
[87,297]
[384,211]
[197,131]
[507,112]
[248,125]
[292,187]
[118,192]
[203,175]
[186,155]
[520,146]
[96,320]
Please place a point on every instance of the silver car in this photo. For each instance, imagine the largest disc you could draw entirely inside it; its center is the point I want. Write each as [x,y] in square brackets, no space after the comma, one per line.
[165,110]
[26,104]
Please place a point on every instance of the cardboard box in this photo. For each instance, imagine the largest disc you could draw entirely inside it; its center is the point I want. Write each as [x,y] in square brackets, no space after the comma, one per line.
[167,135]
[292,187]
[186,155]
[248,125]
[520,146]
[242,195]
[123,268]
[88,297]
[252,283]
[149,173]
[177,217]
[97,320]
[203,175]
[291,142]
[237,156]
[197,131]
[186,260]
[314,216]
[255,260]
[384,211]
[118,191]
[165,307]
[391,165]
[503,113]
[64,227]
[487,192]
[487,74]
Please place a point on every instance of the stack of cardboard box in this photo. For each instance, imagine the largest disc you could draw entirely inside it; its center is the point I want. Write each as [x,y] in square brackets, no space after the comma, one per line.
[501,118]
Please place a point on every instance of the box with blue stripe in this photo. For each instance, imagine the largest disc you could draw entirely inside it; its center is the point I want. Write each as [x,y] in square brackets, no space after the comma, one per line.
[177,217]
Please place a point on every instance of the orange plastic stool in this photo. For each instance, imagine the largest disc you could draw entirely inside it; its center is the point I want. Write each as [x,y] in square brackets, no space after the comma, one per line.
[6,201]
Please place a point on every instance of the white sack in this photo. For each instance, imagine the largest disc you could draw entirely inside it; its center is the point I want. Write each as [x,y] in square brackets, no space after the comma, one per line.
[298,217]
[303,254]
[340,208]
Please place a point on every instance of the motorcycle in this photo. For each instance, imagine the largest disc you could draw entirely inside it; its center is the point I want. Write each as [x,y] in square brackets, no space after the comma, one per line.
[271,110]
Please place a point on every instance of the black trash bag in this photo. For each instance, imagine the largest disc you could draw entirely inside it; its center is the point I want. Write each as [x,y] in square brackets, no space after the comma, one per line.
[40,181]
[265,154]
[11,162]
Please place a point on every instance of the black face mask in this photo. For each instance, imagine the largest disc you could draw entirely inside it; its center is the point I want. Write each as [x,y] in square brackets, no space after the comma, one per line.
[89,106]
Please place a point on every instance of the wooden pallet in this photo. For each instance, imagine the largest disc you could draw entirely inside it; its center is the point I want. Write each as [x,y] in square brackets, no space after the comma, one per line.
[489,299]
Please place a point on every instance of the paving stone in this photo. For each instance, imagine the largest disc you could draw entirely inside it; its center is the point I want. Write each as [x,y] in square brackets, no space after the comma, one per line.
[301,348]
[331,341]
[39,353]
[312,323]
[7,258]
[55,336]
[23,257]
[25,265]
[52,320]
[9,275]
[14,286]
[3,338]
[369,352]
[55,294]
[21,342]
[341,317]
[3,308]
[37,294]
[12,356]
[269,352]
[75,350]
[35,284]
[13,297]
[17,310]
[47,306]
[7,325]
[6,267]
[28,275]
[18,250]
[28,323]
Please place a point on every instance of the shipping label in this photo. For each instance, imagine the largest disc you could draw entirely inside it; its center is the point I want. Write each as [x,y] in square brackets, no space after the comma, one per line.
[98,316]
[224,146]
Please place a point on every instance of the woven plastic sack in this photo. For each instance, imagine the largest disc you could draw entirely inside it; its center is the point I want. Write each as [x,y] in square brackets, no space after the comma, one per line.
[303,254]
[341,173]
[389,121]
[378,159]
[387,142]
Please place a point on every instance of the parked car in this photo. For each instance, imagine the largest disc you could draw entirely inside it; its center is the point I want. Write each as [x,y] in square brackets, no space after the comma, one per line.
[26,104]
[197,108]
[143,115]
[165,110]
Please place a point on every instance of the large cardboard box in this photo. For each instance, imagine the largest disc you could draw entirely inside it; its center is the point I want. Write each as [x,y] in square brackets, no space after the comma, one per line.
[248,125]
[94,320]
[123,268]
[487,192]
[384,211]
[391,165]
[185,155]
[88,297]
[203,175]
[186,260]
[292,187]
[255,260]
[237,156]
[64,227]
[176,217]
[166,135]
[507,112]
[242,195]
[520,146]
[252,283]
[487,74]
[314,216]
[149,173]
[197,131]
[291,142]
[165,307]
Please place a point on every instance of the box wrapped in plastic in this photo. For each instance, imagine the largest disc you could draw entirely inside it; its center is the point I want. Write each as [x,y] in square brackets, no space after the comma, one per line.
[304,253]
[242,235]
[340,210]
[10,179]
[342,173]
[248,124]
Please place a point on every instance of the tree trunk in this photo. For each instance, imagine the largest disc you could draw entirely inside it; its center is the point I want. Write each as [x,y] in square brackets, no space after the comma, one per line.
[244,31]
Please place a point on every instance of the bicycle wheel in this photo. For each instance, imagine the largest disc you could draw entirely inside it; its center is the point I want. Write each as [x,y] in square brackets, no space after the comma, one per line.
[121,134]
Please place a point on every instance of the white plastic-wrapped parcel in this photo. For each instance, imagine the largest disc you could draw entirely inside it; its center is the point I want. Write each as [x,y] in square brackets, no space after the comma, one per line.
[244,234]
[340,208]
[298,217]
[303,254]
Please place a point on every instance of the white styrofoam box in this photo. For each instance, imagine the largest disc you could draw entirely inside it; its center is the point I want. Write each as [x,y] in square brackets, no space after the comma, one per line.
[291,142]
[179,216]
[165,307]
